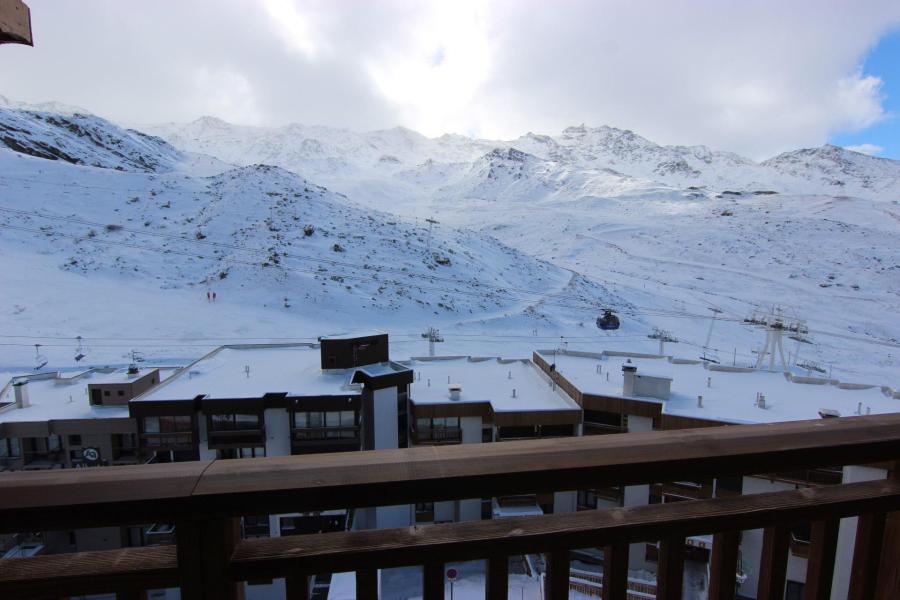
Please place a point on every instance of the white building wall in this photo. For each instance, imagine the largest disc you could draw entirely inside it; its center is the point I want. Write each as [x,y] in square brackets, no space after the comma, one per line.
[638,495]
[470,509]
[278,432]
[205,452]
[564,502]
[840,585]
[384,411]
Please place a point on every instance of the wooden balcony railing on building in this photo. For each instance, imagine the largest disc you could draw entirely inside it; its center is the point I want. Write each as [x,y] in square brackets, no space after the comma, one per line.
[438,435]
[205,500]
[236,438]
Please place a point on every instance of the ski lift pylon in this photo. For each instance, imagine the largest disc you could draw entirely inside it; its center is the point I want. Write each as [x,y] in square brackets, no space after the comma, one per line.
[79,351]
[40,361]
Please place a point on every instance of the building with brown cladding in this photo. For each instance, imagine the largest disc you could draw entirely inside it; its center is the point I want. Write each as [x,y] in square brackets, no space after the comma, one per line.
[55,420]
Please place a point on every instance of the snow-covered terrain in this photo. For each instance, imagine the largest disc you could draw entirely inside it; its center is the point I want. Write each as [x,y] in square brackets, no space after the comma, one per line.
[533,237]
[125,250]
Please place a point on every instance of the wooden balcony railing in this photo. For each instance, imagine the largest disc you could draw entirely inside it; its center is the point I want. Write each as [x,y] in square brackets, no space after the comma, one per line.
[438,435]
[206,498]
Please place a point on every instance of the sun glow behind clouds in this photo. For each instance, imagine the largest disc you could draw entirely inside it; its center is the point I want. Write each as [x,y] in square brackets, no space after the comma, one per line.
[293,26]
[435,70]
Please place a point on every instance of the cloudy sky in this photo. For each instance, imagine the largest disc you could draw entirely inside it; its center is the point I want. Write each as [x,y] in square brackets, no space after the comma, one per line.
[756,76]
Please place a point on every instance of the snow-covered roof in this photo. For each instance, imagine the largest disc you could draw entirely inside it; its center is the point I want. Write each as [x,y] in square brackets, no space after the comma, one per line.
[486,380]
[223,373]
[728,396]
[349,335]
[64,395]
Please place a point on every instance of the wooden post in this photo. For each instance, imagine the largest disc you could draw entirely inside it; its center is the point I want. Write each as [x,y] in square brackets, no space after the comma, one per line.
[497,580]
[866,556]
[297,587]
[888,587]
[615,572]
[367,584]
[670,571]
[204,552]
[723,565]
[433,581]
[773,563]
[820,563]
[556,583]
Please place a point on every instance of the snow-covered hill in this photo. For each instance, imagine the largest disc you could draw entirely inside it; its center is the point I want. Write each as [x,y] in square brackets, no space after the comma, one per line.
[261,237]
[83,139]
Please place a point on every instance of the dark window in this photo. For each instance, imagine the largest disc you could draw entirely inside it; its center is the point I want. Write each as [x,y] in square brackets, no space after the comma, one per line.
[106,392]
[237,421]
[74,440]
[121,392]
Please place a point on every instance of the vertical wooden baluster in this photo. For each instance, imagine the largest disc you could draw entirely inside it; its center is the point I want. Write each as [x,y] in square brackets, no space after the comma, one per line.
[298,587]
[367,584]
[189,552]
[773,563]
[497,580]
[433,581]
[204,551]
[670,571]
[615,572]
[866,556]
[820,563]
[888,586]
[556,584]
[723,565]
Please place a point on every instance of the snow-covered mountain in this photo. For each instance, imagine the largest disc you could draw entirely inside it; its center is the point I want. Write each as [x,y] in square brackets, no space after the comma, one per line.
[94,206]
[337,157]
[83,139]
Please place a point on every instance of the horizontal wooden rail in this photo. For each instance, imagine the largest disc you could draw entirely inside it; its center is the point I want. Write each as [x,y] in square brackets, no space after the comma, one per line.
[385,548]
[224,488]
[79,573]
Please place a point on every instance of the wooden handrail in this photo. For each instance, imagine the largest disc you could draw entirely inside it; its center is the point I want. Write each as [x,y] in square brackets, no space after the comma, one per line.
[452,542]
[226,488]
[204,498]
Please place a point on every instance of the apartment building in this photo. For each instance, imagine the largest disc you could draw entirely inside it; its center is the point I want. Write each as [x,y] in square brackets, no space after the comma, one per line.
[56,420]
[627,392]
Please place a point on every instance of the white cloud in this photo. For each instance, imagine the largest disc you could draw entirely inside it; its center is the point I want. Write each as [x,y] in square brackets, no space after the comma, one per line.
[753,77]
[870,149]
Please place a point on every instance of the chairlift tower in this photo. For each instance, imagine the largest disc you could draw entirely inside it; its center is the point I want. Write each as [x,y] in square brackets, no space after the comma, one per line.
[663,336]
[706,349]
[774,324]
[430,222]
[433,335]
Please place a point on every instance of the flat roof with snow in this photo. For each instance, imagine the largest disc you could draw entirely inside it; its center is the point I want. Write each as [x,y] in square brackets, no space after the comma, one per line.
[252,372]
[727,396]
[486,380]
[60,396]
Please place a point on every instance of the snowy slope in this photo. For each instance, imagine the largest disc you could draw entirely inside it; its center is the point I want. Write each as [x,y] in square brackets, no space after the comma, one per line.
[83,139]
[267,241]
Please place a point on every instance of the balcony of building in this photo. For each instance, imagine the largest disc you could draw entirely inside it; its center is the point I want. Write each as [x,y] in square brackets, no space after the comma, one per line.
[206,500]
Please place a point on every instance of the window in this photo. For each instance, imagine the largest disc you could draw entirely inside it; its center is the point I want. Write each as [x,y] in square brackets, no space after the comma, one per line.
[231,422]
[120,393]
[587,499]
[319,419]
[74,440]
[106,392]
[10,448]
